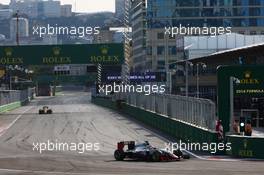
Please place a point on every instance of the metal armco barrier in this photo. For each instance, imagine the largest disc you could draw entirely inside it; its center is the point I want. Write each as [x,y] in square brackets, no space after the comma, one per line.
[196,111]
[7,97]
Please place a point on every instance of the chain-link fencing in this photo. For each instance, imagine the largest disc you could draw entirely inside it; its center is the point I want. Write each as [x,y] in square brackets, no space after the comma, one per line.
[196,111]
[11,96]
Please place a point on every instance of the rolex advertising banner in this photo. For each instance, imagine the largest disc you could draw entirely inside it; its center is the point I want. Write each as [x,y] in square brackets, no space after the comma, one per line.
[109,54]
[2,72]
[250,83]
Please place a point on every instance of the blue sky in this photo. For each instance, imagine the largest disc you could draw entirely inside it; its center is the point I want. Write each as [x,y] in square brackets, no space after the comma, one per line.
[86,5]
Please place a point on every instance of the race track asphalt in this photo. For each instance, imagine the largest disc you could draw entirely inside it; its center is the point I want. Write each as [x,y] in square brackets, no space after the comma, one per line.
[77,120]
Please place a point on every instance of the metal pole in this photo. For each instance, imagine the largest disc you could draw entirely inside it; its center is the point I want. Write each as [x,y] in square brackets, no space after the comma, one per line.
[231,84]
[197,81]
[186,79]
[17,28]
[167,69]
[10,82]
[170,82]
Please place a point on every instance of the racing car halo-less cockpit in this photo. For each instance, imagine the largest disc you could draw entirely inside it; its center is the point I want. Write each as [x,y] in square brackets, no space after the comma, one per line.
[145,152]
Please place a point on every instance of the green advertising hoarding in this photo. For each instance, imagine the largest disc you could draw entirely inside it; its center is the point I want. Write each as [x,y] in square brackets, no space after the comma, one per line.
[250,84]
[109,54]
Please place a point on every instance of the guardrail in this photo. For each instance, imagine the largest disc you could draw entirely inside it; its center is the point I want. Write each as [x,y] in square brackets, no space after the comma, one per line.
[195,111]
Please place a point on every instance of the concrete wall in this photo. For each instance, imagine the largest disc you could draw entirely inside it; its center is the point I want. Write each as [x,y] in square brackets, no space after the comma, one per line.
[16,104]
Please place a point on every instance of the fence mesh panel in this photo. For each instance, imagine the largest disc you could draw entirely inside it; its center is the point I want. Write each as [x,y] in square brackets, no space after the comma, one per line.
[7,97]
[196,111]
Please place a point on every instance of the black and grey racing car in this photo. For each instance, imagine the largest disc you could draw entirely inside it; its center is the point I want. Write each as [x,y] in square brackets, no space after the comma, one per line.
[145,152]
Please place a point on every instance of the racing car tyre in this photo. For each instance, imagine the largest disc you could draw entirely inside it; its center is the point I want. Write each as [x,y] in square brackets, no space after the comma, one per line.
[40,112]
[119,155]
[178,153]
[155,156]
[186,156]
[49,111]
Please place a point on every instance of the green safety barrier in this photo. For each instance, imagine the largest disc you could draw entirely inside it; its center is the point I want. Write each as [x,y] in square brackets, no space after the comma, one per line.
[12,106]
[247,147]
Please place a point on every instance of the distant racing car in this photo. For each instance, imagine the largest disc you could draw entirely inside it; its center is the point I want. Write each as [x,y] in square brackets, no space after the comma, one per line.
[146,152]
[45,110]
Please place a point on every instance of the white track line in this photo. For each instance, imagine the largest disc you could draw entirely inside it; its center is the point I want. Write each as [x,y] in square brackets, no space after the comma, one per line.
[14,121]
[41,172]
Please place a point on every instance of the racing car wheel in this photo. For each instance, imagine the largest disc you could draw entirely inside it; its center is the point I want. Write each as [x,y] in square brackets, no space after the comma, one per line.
[155,156]
[180,154]
[119,155]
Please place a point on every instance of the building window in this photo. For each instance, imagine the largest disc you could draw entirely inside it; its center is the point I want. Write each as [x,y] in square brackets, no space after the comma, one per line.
[149,50]
[160,50]
[172,50]
[160,35]
[172,36]
[161,65]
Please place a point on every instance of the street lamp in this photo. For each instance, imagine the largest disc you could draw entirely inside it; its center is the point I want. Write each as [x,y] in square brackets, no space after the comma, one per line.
[187,64]
[17,27]
[11,68]
[198,78]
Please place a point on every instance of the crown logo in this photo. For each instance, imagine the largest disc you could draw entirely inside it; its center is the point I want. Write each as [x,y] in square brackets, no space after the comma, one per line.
[104,50]
[245,143]
[8,51]
[247,74]
[56,50]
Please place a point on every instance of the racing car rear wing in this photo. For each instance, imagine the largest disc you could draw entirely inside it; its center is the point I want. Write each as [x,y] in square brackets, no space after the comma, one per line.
[130,144]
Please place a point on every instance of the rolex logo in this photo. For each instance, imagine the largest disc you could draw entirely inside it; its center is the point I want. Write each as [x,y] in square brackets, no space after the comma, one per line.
[56,50]
[247,75]
[8,51]
[104,50]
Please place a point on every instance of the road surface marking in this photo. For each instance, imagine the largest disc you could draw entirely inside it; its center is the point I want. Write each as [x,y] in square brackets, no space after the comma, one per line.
[3,131]
[41,172]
